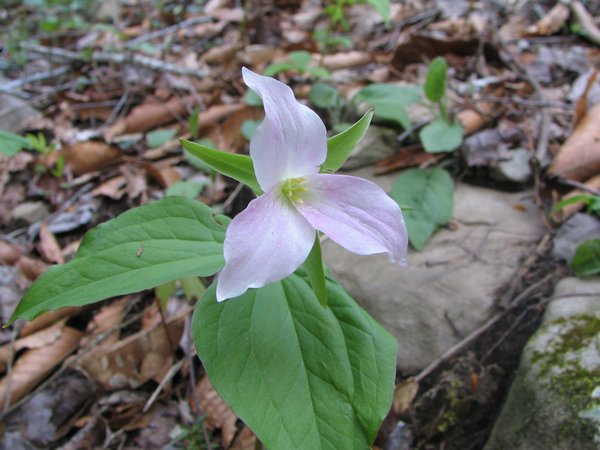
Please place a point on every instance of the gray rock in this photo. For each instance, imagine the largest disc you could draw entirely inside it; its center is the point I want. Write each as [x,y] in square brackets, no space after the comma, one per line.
[580,227]
[30,212]
[378,143]
[555,388]
[515,168]
[450,287]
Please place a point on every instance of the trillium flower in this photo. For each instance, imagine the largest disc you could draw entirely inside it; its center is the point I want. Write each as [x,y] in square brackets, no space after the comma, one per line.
[274,235]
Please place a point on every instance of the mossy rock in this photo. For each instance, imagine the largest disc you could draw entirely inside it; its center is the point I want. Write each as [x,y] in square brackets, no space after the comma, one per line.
[548,403]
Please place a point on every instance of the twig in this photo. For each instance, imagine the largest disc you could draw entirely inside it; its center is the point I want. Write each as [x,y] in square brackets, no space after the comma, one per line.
[482,329]
[114,58]
[170,374]
[168,30]
[525,102]
[15,84]
[541,149]
[578,185]
[586,21]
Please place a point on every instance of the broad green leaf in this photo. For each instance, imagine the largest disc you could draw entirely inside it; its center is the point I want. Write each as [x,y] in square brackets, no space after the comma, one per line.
[389,101]
[141,249]
[318,72]
[194,122]
[587,258]
[429,195]
[441,136]
[340,146]
[316,273]
[159,137]
[301,376]
[435,83]
[275,68]
[300,59]
[249,128]
[11,144]
[187,189]
[383,8]
[324,95]
[252,99]
[238,167]
[192,287]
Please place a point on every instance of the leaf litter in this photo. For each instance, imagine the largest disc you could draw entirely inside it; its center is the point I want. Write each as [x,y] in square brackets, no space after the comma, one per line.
[522,79]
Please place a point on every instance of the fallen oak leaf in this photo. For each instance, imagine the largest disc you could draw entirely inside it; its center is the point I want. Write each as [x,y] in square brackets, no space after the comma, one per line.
[48,246]
[34,366]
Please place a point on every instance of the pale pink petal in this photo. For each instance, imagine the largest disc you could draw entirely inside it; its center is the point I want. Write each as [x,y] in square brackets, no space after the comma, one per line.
[355,213]
[291,142]
[264,243]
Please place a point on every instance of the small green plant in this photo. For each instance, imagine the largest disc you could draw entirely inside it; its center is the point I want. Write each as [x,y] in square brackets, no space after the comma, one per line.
[592,203]
[298,62]
[443,134]
[39,144]
[335,9]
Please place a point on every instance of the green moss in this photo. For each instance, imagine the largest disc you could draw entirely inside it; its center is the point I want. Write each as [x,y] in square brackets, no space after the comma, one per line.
[572,382]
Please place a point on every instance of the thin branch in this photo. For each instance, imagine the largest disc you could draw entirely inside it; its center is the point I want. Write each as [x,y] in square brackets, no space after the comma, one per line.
[168,30]
[114,58]
[586,20]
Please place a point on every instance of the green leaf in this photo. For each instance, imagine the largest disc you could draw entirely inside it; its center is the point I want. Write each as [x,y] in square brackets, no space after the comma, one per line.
[164,292]
[441,136]
[318,72]
[340,146]
[11,144]
[238,167]
[587,258]
[383,8]
[429,194]
[142,248]
[192,287]
[275,68]
[435,83]
[315,272]
[323,95]
[159,137]
[389,101]
[194,122]
[252,99]
[187,189]
[249,128]
[301,376]
[300,59]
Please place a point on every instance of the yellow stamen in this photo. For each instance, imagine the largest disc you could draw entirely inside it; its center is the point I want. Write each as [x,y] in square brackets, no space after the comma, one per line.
[292,188]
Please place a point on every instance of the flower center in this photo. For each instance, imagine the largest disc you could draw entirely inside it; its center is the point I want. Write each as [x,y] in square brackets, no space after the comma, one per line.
[292,188]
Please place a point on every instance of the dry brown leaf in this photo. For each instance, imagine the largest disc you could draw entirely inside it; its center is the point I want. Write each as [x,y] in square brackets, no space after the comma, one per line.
[113,188]
[552,22]
[10,253]
[87,156]
[347,60]
[109,317]
[220,54]
[138,358]
[135,181]
[31,268]
[228,136]
[582,104]
[579,156]
[409,156]
[245,440]
[404,394]
[33,367]
[48,246]
[218,413]
[47,319]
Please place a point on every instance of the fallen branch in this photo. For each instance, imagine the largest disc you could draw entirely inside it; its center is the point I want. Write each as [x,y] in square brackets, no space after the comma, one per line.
[114,58]
[168,30]
[15,84]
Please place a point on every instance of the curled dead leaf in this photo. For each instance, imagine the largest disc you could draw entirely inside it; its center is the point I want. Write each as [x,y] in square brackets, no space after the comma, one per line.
[33,367]
[138,358]
[218,413]
[10,253]
[346,60]
[48,246]
[87,156]
[404,394]
[552,22]
[579,156]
